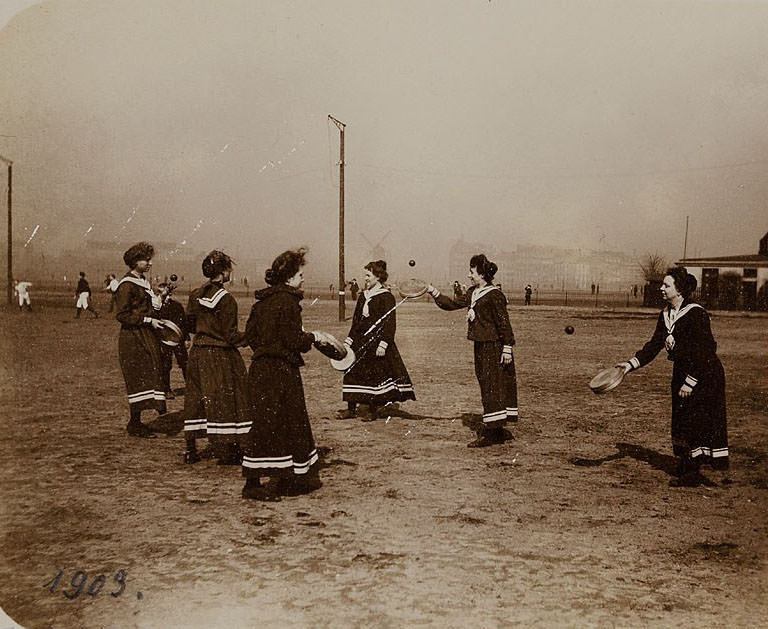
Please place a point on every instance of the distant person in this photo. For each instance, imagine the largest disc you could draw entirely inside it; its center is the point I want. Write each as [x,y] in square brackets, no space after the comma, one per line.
[354,289]
[138,346]
[330,290]
[699,431]
[597,289]
[488,326]
[111,283]
[593,288]
[528,293]
[634,290]
[22,291]
[172,310]
[83,294]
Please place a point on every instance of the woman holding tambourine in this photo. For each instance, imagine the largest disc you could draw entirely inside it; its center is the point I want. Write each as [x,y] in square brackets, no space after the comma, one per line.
[488,326]
[280,444]
[378,376]
[699,431]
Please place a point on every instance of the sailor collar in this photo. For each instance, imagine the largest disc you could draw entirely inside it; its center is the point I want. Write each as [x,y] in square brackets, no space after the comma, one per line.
[213,300]
[370,294]
[673,316]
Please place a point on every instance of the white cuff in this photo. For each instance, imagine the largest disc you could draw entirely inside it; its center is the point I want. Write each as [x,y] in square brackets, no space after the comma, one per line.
[691,381]
[507,349]
[148,320]
[348,341]
[634,363]
[383,344]
[435,293]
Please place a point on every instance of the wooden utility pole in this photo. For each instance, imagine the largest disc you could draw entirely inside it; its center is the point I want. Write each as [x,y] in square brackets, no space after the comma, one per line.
[685,244]
[9,288]
[342,281]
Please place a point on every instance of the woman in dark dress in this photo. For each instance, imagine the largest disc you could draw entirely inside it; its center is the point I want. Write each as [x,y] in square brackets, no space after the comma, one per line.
[216,402]
[699,430]
[138,345]
[378,375]
[280,443]
[488,326]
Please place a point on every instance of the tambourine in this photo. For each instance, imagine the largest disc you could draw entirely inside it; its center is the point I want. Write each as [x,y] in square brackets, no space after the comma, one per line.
[170,334]
[344,363]
[329,346]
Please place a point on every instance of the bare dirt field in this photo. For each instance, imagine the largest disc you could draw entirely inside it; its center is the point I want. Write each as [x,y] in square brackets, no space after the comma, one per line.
[571,524]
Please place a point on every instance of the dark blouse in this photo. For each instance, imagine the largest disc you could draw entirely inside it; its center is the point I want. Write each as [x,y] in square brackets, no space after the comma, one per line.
[491,320]
[212,316]
[274,326]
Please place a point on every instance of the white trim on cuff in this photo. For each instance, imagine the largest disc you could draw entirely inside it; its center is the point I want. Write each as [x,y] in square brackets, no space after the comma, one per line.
[691,381]
[634,363]
[148,320]
[383,344]
[507,349]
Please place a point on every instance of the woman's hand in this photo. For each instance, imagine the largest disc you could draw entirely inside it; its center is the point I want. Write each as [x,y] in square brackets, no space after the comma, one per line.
[432,290]
[156,323]
[626,367]
[506,356]
[380,351]
[685,391]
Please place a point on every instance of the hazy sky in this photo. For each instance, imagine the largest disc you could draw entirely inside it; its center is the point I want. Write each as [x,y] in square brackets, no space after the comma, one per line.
[595,124]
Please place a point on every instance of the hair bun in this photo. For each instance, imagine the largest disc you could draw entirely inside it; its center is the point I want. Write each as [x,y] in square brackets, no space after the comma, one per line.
[691,282]
[269,276]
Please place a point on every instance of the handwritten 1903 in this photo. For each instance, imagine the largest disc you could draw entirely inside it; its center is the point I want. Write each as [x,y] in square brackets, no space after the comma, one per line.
[80,579]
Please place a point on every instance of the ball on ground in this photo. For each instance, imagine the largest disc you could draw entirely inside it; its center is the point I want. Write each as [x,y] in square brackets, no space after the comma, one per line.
[569,329]
[411,262]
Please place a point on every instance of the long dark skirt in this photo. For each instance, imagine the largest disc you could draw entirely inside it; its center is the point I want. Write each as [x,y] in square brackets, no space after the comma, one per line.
[699,429]
[216,401]
[498,384]
[280,442]
[378,380]
[139,353]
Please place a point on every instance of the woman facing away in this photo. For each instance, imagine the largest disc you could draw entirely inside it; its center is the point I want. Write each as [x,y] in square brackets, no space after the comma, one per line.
[378,375]
[216,401]
[489,328]
[280,444]
[699,430]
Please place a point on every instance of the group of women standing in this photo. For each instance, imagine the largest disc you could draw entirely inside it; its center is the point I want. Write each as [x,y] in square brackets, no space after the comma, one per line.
[258,418]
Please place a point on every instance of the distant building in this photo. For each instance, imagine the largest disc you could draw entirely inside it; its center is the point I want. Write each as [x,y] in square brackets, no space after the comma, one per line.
[550,268]
[732,282]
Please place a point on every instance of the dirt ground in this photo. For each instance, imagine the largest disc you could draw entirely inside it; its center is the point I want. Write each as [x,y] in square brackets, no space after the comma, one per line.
[570,524]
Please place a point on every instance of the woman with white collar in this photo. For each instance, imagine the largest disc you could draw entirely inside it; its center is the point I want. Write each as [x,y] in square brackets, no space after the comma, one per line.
[216,401]
[138,347]
[488,326]
[699,431]
[378,375]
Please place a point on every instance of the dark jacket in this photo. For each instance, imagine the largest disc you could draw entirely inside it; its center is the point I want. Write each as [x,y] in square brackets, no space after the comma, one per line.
[274,325]
[378,306]
[133,301]
[212,316]
[82,286]
[694,348]
[491,321]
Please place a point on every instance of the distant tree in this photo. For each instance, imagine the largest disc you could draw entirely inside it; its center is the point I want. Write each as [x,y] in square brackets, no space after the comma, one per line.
[653,266]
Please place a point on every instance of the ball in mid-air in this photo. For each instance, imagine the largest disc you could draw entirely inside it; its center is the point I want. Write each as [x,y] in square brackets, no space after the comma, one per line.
[569,329]
[411,262]
[174,277]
